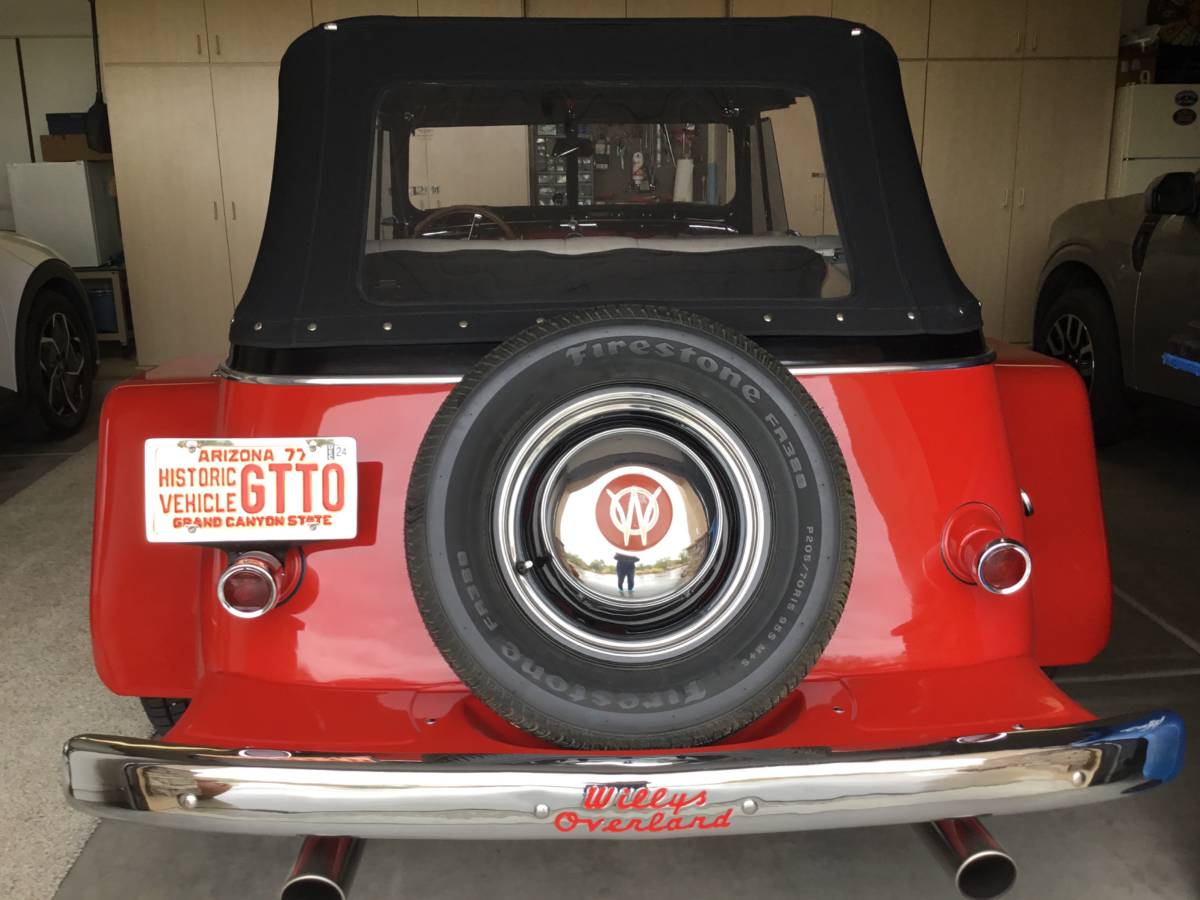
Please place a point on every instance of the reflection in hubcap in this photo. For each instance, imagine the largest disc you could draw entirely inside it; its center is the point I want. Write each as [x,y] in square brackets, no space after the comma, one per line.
[631,524]
[635,517]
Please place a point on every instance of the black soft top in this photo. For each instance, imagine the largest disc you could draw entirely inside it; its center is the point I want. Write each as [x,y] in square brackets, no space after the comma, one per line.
[305,291]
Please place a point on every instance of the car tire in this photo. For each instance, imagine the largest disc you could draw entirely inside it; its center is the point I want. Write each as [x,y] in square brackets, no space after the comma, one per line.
[559,646]
[60,366]
[163,712]
[1078,328]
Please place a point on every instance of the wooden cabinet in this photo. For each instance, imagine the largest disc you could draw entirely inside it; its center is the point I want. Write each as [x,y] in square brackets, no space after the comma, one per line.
[969,150]
[161,31]
[912,82]
[675,9]
[1062,157]
[976,28]
[329,10]
[801,167]
[259,31]
[477,165]
[169,180]
[780,7]
[1073,28]
[575,9]
[905,23]
[246,103]
[504,8]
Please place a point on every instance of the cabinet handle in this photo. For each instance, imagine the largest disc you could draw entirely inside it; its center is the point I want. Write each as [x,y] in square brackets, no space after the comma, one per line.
[1017,48]
[1004,201]
[1020,198]
[217,38]
[1033,41]
[233,205]
[216,212]
[199,52]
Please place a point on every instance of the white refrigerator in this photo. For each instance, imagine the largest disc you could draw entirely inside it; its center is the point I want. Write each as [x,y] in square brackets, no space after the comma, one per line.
[1156,129]
[69,207]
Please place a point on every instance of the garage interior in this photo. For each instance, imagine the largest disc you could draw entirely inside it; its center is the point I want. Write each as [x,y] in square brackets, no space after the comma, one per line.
[1014,107]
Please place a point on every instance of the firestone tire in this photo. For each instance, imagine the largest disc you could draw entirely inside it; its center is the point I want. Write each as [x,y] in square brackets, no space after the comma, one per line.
[535,639]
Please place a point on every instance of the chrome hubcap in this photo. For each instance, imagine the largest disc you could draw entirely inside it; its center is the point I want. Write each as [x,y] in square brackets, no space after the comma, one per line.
[1069,340]
[632,525]
[61,359]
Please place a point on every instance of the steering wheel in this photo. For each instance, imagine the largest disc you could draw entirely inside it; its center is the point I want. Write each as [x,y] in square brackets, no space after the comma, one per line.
[446,211]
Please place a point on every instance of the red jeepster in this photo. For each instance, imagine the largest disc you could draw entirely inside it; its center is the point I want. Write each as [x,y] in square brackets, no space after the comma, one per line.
[555,487]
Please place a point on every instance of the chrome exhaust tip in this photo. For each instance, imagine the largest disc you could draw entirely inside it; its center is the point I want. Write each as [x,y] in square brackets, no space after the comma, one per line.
[324,869]
[978,864]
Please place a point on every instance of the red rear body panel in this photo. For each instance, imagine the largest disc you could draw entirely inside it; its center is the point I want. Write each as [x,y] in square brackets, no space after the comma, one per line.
[347,664]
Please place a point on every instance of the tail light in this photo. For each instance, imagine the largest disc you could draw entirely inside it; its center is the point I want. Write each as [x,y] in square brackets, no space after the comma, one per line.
[251,585]
[976,550]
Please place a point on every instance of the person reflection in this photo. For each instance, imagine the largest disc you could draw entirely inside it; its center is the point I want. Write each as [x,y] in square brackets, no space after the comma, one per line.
[625,567]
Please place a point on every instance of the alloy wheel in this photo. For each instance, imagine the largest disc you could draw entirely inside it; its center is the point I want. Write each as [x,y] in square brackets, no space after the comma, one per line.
[1068,339]
[61,359]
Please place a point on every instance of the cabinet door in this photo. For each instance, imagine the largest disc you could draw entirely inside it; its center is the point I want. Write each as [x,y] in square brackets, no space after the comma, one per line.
[905,23]
[1062,159]
[246,101]
[976,28]
[779,7]
[260,31]
[1073,28]
[801,167]
[480,165]
[151,31]
[575,9]
[14,143]
[499,8]
[169,181]
[675,9]
[969,151]
[329,10]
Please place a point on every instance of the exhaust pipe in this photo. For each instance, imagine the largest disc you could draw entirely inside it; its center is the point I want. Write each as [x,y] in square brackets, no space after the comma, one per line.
[324,869]
[978,864]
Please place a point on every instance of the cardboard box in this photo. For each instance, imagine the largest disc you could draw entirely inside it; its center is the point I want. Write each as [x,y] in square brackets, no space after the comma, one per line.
[69,148]
[1136,63]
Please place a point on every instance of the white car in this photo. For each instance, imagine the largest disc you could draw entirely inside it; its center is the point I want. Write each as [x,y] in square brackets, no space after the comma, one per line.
[47,338]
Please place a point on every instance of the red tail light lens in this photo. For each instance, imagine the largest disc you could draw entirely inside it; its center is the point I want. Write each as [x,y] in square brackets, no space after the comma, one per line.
[250,586]
[1004,567]
[976,551]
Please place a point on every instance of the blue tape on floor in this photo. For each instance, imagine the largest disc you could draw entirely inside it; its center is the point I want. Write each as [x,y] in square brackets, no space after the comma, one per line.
[1191,366]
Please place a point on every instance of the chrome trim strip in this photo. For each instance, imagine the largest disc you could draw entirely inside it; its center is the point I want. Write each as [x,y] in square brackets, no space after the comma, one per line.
[966,362]
[542,796]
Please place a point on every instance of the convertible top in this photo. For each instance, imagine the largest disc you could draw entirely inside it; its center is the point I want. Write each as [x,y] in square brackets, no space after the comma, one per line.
[306,289]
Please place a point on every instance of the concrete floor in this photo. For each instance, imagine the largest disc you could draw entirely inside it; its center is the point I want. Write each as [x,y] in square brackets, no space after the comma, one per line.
[1142,847]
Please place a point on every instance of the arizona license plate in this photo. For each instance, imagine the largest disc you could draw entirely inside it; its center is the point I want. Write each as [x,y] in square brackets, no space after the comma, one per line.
[219,490]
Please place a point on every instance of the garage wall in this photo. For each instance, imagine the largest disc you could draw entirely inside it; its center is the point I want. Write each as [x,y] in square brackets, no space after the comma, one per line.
[1010,102]
[50,42]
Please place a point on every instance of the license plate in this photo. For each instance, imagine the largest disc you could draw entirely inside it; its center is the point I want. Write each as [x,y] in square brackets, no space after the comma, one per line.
[234,490]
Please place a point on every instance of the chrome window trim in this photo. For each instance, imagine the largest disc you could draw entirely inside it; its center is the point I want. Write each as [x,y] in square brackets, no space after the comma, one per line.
[965,362]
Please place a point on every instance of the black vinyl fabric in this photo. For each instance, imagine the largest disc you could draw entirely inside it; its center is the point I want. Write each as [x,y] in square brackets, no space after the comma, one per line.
[461,278]
[306,289]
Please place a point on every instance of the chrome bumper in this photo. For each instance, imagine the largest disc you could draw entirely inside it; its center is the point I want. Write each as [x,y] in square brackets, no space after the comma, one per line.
[544,796]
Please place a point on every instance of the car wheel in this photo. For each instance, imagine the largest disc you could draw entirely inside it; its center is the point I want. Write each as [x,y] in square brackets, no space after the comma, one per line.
[1078,329]
[630,528]
[60,365]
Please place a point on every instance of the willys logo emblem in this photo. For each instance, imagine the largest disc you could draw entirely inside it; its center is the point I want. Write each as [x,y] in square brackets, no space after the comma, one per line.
[633,512]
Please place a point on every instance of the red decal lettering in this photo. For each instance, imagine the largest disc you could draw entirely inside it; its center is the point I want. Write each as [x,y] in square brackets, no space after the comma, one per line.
[280,469]
[333,473]
[306,470]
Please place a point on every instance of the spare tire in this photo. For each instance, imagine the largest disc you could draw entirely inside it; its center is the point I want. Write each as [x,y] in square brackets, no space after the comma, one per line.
[630,528]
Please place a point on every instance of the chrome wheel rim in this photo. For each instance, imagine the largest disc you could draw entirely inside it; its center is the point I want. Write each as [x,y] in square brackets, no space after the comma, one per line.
[61,359]
[637,472]
[1069,340]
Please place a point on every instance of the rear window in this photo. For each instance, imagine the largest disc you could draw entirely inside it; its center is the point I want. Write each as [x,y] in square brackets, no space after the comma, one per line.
[491,193]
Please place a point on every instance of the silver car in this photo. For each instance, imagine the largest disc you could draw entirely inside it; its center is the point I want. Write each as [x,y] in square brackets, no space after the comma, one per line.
[1119,297]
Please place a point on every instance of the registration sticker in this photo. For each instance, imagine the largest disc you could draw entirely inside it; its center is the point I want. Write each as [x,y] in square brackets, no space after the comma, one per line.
[228,490]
